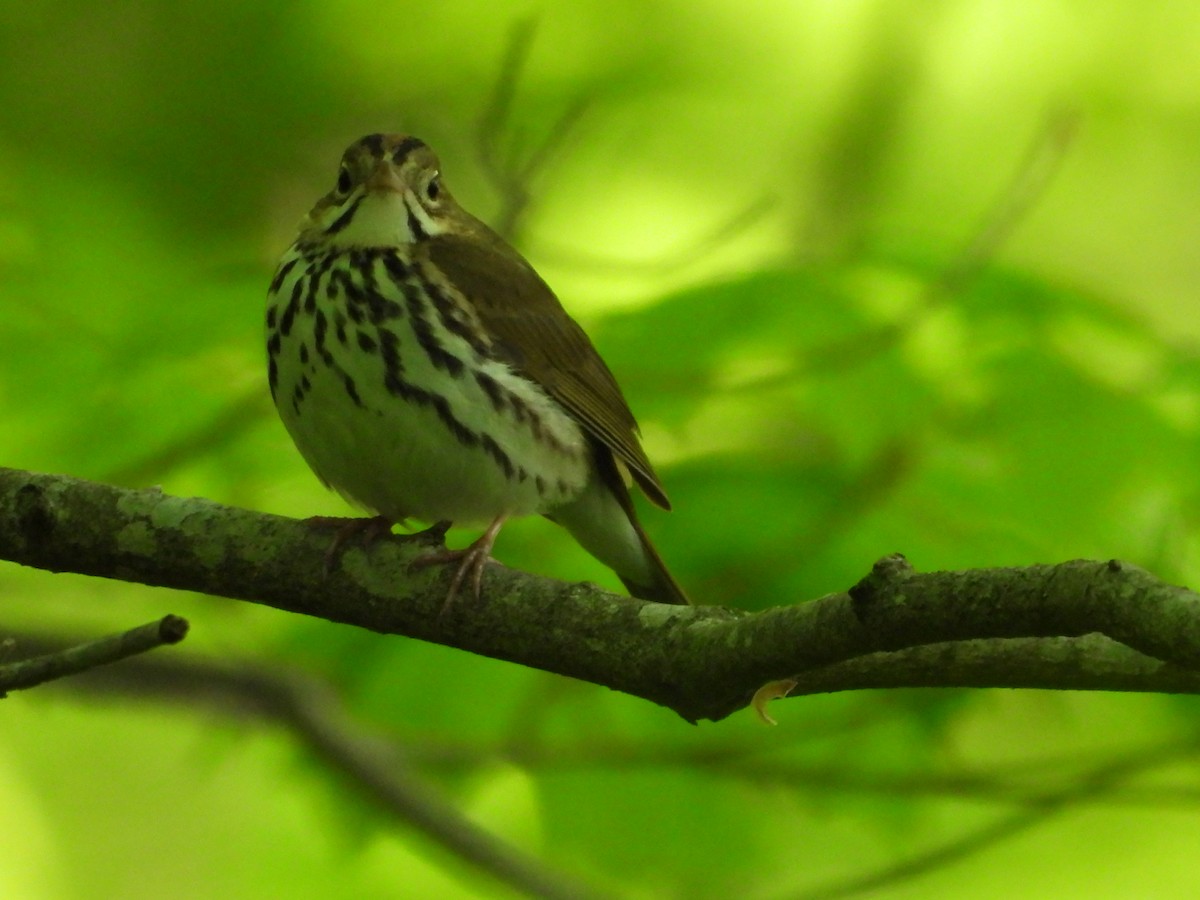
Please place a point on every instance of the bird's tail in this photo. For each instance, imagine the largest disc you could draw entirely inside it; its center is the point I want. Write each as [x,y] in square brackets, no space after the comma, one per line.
[605,523]
[662,586]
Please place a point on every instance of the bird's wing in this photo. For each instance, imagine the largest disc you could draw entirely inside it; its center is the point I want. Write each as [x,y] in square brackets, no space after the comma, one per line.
[534,334]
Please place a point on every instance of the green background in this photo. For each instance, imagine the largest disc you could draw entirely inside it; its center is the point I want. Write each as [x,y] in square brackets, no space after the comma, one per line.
[752,216]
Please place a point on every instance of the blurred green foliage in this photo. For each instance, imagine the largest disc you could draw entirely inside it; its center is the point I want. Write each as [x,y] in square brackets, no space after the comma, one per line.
[755,216]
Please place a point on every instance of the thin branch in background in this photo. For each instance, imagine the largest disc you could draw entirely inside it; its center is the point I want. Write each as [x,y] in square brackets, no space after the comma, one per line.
[510,178]
[188,681]
[990,787]
[27,673]
[382,769]
[317,716]
[372,764]
[1100,780]
[554,140]
[498,109]
[672,261]
[1027,186]
[739,759]
[1033,176]
[232,420]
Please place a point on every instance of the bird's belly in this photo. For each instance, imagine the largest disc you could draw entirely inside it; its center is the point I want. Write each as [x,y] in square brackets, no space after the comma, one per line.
[414,441]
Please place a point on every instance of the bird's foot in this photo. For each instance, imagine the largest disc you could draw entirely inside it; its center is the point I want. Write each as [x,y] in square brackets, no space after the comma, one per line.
[471,561]
[370,529]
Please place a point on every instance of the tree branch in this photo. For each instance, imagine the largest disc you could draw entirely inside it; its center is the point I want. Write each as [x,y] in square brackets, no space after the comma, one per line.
[27,673]
[702,662]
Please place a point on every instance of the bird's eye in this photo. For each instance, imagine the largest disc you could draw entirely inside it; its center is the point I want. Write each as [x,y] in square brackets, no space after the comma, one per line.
[433,190]
[344,181]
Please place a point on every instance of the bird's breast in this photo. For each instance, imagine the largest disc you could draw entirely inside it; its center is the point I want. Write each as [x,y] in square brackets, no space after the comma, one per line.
[391,392]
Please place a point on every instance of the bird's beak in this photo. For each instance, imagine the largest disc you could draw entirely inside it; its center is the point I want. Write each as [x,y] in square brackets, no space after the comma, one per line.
[385,178]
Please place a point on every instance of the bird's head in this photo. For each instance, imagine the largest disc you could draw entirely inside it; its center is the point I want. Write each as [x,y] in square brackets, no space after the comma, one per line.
[388,193]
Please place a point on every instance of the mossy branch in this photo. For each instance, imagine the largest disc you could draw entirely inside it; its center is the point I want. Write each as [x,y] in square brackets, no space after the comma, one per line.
[1078,625]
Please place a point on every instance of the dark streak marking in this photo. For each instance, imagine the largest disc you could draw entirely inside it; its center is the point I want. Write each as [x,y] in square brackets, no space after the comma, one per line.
[502,459]
[383,309]
[492,388]
[461,432]
[396,267]
[282,273]
[351,389]
[315,270]
[414,296]
[414,224]
[454,318]
[345,218]
[389,349]
[438,355]
[293,307]
[366,267]
[320,327]
[408,391]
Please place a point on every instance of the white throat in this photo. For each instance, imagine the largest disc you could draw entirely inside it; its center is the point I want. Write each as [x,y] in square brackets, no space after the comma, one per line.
[381,219]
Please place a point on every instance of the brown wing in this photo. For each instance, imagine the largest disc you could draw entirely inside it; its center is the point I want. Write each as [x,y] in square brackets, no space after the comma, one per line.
[537,337]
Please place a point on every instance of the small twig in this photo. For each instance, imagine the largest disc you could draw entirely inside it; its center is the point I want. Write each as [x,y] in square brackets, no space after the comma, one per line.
[1024,189]
[541,154]
[511,179]
[695,250]
[739,760]
[1051,804]
[499,106]
[226,424]
[27,673]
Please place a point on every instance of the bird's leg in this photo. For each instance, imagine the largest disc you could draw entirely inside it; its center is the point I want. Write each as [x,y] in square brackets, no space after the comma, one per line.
[471,561]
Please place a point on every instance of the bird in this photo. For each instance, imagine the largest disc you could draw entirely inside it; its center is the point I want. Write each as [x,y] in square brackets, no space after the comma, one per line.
[424,370]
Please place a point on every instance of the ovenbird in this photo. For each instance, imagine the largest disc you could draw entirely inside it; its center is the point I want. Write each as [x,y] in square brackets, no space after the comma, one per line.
[425,370]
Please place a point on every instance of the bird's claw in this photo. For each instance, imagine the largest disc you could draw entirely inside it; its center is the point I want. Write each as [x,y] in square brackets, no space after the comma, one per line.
[471,562]
[370,528]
